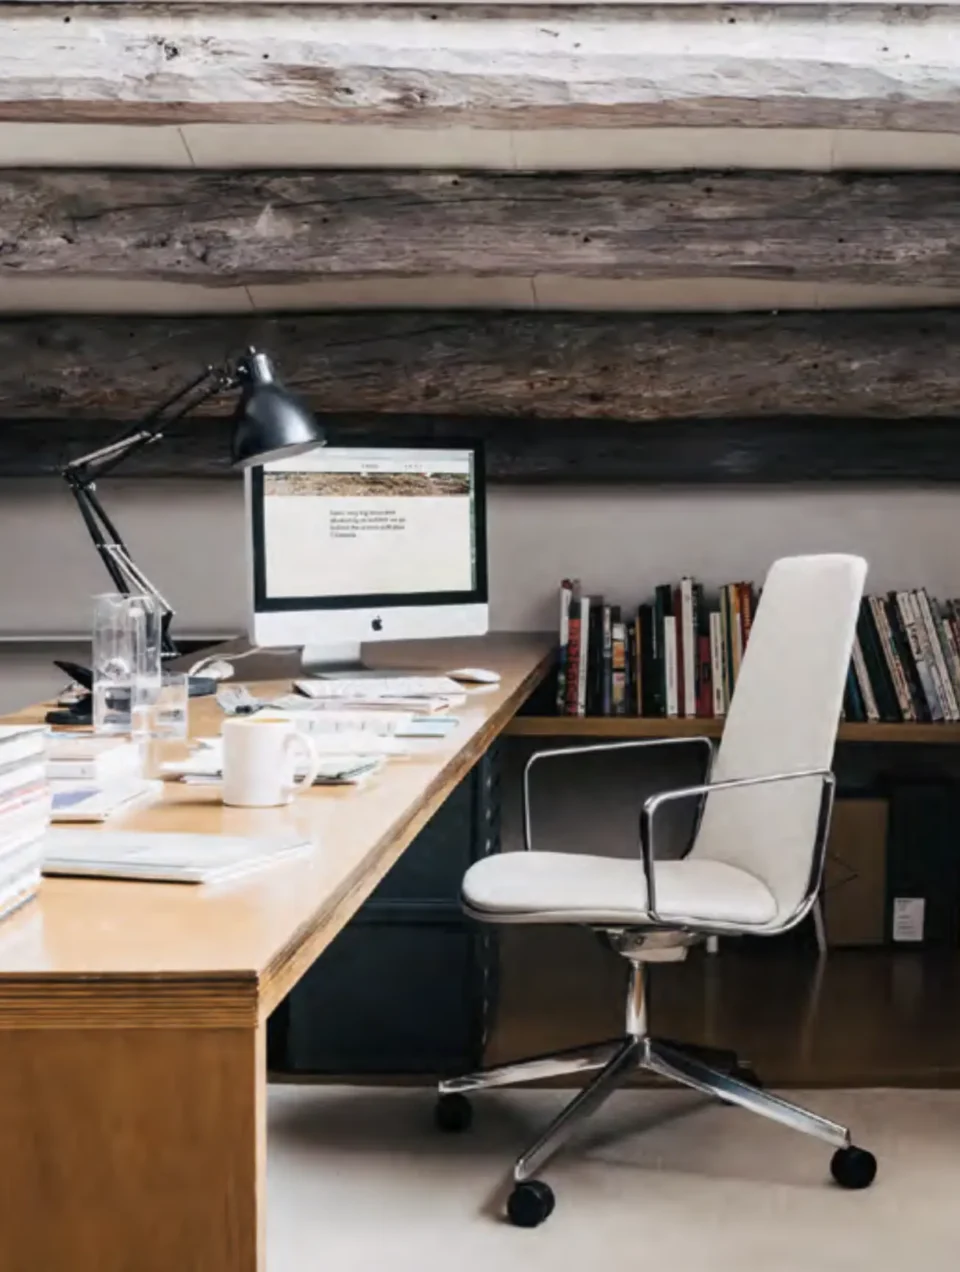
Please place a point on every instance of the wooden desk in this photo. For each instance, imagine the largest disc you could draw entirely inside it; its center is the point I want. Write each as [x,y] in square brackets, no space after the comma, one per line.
[132,1016]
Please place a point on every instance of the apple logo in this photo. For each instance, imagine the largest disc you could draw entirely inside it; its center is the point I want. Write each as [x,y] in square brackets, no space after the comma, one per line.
[377,624]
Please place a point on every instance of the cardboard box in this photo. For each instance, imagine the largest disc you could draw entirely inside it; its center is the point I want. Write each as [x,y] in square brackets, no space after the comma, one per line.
[855,874]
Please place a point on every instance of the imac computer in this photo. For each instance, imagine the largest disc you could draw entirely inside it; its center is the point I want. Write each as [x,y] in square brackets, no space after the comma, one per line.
[367,542]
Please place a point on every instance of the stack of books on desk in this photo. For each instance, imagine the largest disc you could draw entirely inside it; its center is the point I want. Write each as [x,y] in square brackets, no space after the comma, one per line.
[92,777]
[24,813]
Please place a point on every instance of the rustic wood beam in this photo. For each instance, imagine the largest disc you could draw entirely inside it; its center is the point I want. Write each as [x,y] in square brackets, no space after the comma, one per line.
[230,228]
[628,367]
[758,65]
[768,451]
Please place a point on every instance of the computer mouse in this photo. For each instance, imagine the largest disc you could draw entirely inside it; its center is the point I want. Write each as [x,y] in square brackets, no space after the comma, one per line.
[219,669]
[475,676]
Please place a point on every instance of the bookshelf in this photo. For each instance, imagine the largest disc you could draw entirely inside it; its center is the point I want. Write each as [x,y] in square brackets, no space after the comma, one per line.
[944,734]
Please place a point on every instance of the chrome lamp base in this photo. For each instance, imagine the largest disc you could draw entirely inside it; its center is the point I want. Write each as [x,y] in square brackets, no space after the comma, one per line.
[708,1070]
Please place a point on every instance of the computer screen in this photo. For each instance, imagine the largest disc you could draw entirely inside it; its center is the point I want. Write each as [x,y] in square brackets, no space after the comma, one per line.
[370,527]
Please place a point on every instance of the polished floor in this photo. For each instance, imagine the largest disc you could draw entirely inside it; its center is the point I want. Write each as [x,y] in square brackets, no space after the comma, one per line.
[871,1018]
[359,1180]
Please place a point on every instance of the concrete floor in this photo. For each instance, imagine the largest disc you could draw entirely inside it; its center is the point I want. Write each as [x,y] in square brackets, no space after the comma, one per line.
[358,1179]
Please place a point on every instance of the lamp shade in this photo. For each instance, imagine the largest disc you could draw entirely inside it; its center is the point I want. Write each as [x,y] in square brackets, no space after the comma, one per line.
[270,422]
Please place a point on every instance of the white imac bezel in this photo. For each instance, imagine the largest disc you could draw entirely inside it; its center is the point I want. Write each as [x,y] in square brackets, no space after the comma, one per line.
[342,623]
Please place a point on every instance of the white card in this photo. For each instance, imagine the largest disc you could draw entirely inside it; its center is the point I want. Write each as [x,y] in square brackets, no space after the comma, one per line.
[908,918]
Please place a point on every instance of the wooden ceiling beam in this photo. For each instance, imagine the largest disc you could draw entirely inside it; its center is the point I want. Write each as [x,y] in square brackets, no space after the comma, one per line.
[773,450]
[629,368]
[223,229]
[761,65]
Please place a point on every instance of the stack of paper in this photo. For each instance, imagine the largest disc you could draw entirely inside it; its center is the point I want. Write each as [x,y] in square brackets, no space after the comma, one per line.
[206,765]
[24,813]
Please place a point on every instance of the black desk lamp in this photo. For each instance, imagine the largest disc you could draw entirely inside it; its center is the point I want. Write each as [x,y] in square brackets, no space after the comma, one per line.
[269,423]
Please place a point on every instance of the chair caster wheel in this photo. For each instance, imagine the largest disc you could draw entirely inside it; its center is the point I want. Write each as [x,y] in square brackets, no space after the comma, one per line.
[530,1203]
[853,1167]
[453,1112]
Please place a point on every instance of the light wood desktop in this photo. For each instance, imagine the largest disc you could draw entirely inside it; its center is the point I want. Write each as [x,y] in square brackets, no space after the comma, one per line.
[132,1016]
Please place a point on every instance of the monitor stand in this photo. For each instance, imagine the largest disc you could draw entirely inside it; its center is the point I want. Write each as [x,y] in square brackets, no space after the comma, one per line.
[329,662]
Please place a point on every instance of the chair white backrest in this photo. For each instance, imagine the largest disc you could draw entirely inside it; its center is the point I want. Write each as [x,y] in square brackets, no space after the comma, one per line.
[783,718]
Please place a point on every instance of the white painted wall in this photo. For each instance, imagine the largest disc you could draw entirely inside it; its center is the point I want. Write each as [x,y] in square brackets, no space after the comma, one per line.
[621,542]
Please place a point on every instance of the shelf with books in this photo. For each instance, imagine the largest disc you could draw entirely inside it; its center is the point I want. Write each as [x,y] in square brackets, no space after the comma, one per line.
[910,733]
[672,662]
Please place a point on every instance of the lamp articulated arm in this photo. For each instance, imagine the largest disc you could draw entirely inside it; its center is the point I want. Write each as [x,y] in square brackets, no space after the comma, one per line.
[81,476]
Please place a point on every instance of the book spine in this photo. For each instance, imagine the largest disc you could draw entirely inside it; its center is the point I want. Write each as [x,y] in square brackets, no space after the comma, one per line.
[689,646]
[606,683]
[595,658]
[746,611]
[24,774]
[584,662]
[863,681]
[950,645]
[716,663]
[630,637]
[953,617]
[566,591]
[901,645]
[670,660]
[726,646]
[573,653]
[891,658]
[639,666]
[651,640]
[25,744]
[942,673]
[619,660]
[928,670]
[916,638]
[736,628]
[876,665]
[663,605]
[704,678]
[677,612]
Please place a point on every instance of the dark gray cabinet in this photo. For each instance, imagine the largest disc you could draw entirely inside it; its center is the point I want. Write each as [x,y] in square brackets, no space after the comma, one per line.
[408,987]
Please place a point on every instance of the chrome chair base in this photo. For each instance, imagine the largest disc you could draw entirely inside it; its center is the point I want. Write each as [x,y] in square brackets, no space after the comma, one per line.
[616,1061]
[708,1070]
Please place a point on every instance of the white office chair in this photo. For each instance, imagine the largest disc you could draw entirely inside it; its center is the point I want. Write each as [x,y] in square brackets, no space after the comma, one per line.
[754,867]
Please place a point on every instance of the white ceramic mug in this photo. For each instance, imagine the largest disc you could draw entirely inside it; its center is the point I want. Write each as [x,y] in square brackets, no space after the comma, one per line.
[259,762]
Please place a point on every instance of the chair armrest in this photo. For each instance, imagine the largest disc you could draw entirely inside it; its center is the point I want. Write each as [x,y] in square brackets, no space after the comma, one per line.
[651,805]
[593,749]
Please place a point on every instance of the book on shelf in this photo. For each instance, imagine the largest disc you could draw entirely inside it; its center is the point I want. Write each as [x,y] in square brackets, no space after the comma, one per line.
[672,664]
[679,653]
[566,593]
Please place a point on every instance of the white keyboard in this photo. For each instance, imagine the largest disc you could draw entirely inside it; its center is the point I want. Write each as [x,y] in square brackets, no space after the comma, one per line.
[367,689]
[352,741]
[331,719]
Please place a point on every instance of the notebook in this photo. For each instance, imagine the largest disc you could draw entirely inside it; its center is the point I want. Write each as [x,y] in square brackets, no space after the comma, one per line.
[164,857]
[89,802]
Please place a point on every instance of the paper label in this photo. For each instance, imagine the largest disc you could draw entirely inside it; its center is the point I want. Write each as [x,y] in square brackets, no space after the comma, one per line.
[908,918]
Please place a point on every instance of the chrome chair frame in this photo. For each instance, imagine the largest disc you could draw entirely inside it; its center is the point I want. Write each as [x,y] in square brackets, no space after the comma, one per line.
[705,1069]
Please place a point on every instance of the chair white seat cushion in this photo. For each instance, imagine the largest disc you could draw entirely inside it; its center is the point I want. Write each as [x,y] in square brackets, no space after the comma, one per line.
[561,887]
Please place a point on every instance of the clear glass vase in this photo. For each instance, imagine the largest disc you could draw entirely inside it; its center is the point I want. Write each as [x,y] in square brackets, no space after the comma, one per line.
[126,660]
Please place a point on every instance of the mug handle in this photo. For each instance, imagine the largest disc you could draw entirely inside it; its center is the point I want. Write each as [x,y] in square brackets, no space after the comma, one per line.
[296,739]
